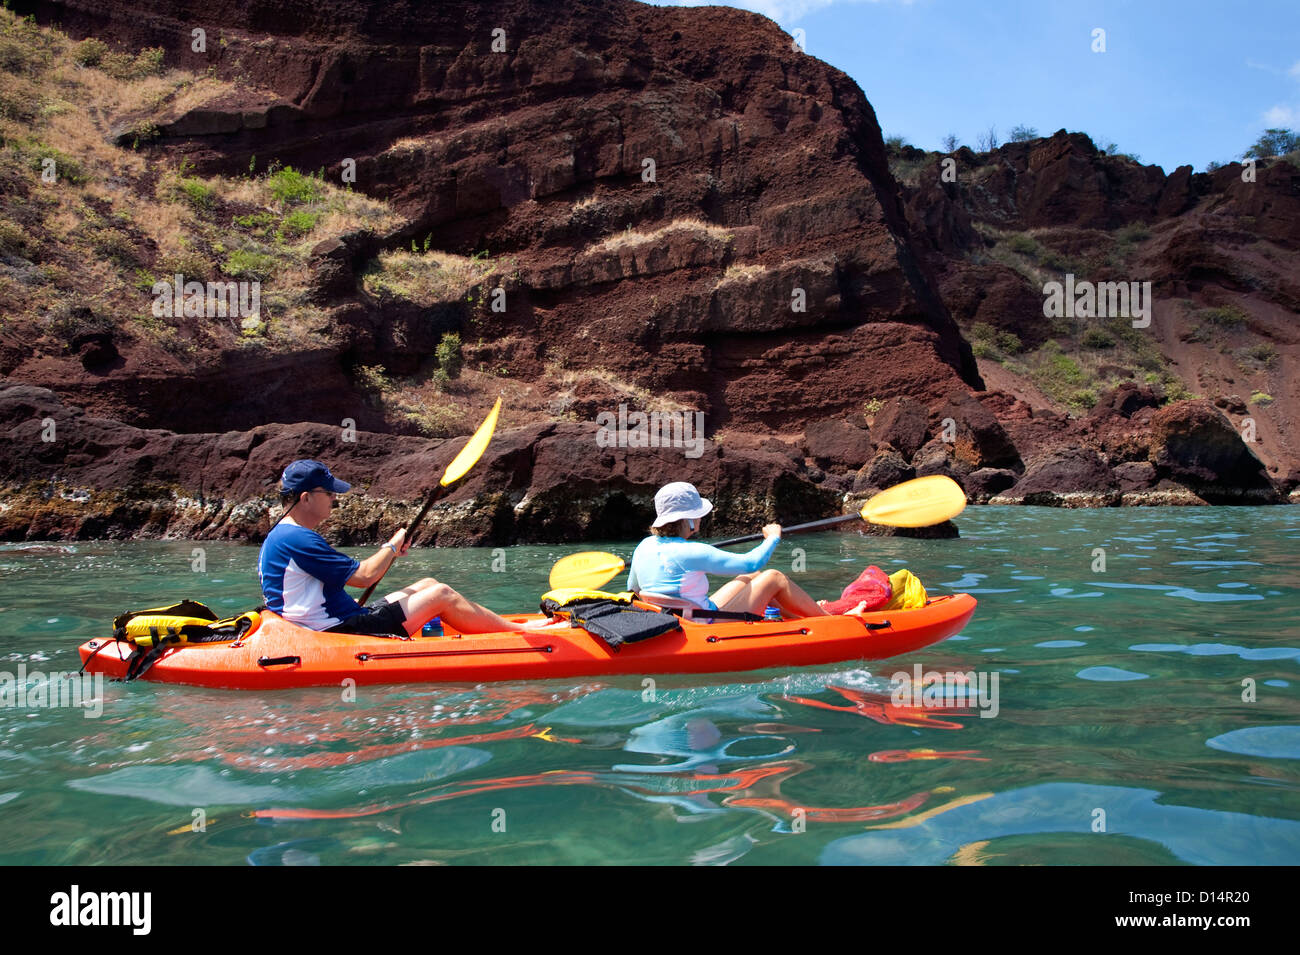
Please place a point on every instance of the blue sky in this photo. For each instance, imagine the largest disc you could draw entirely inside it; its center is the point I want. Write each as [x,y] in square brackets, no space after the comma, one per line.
[1180,81]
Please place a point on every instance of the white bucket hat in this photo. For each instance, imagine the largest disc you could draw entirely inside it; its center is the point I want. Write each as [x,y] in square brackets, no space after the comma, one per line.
[679,500]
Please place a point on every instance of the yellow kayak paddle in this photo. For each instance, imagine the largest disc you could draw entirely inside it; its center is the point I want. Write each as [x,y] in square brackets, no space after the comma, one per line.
[458,468]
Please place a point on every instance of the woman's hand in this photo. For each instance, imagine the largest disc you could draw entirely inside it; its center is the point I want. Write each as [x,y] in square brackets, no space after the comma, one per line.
[398,543]
[772,530]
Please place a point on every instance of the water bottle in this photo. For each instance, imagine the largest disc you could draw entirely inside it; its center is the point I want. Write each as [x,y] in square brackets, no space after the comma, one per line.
[772,613]
[433,628]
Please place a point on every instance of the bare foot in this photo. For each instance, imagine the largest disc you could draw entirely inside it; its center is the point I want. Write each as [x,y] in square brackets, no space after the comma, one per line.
[860,608]
[545,623]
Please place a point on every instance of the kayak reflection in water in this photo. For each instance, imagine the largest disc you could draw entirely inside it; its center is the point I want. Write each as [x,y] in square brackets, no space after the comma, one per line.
[303,577]
[668,564]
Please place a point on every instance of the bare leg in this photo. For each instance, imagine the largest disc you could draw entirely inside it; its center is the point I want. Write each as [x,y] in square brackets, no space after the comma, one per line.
[753,592]
[426,599]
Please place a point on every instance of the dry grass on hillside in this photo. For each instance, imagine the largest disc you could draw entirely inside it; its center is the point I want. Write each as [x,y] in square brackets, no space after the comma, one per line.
[114,220]
[426,279]
[627,239]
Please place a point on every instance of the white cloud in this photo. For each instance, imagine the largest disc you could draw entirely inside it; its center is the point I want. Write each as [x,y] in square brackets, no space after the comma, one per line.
[1283,116]
[1295,70]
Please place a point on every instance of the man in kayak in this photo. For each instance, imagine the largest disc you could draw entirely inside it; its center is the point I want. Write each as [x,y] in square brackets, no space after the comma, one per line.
[303,577]
[669,564]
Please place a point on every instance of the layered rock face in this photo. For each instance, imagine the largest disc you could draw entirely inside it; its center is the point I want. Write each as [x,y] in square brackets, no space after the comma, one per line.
[685,200]
[681,209]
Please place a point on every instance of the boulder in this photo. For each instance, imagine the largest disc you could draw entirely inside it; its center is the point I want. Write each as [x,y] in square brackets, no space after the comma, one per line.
[1135,475]
[837,444]
[980,441]
[1193,443]
[886,469]
[939,457]
[987,482]
[1067,476]
[900,424]
[1124,400]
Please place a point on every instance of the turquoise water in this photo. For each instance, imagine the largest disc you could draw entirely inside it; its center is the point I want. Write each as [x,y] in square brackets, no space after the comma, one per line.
[1123,734]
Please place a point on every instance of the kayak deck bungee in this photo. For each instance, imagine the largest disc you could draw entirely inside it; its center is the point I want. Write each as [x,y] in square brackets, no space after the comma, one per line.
[282,655]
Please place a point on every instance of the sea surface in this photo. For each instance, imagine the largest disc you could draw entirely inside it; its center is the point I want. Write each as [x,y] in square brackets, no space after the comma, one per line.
[1147,712]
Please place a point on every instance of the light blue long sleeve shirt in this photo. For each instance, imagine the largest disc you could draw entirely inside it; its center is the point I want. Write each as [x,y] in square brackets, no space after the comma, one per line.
[676,567]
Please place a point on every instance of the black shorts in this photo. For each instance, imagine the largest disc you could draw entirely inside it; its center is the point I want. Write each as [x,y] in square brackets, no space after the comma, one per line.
[379,618]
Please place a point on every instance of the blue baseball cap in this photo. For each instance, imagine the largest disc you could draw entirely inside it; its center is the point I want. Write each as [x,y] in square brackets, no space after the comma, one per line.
[307,475]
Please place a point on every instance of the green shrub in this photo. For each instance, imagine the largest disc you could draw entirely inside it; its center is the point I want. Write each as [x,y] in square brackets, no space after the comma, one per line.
[1009,342]
[449,355]
[245,264]
[1097,338]
[14,240]
[89,52]
[257,222]
[1022,134]
[191,265]
[196,193]
[1025,245]
[371,378]
[1274,142]
[1262,352]
[1133,232]
[65,167]
[298,223]
[1065,368]
[1261,398]
[112,244]
[1084,398]
[983,331]
[981,349]
[291,187]
[1057,262]
[872,406]
[1225,316]
[124,66]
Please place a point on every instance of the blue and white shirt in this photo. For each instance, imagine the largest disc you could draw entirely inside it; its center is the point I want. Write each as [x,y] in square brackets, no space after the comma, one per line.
[303,577]
[678,568]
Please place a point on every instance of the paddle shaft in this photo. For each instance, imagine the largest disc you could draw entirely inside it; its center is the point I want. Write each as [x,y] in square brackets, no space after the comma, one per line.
[811,526]
[410,531]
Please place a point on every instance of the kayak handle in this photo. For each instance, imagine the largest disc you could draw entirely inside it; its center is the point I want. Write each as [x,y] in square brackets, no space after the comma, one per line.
[883,625]
[802,631]
[278,661]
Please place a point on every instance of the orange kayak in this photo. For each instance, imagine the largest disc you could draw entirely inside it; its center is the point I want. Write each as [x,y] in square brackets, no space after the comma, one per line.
[279,654]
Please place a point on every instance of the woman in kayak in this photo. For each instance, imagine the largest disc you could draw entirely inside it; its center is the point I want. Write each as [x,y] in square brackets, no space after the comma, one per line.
[669,564]
[303,577]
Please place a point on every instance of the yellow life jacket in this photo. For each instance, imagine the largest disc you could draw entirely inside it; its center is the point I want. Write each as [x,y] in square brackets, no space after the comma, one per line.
[184,622]
[554,600]
[909,592]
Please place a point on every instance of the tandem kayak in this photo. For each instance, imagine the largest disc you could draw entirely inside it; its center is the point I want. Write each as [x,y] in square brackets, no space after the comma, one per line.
[280,655]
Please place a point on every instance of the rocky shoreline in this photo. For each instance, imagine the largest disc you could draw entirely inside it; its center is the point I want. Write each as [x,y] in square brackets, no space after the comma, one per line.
[99,479]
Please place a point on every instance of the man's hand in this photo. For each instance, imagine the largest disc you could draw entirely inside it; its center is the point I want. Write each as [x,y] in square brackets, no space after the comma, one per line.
[772,530]
[398,543]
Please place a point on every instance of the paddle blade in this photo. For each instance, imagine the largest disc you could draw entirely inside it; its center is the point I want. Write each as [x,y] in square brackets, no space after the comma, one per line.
[474,449]
[587,571]
[918,503]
